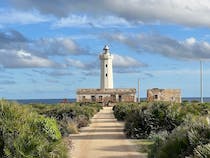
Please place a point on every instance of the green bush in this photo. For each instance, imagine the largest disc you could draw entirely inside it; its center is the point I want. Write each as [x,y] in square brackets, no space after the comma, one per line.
[24,133]
[47,126]
[123,109]
[178,130]
[79,113]
[154,117]
[146,118]
[189,139]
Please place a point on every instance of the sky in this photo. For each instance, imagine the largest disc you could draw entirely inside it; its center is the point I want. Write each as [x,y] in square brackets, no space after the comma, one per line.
[49,49]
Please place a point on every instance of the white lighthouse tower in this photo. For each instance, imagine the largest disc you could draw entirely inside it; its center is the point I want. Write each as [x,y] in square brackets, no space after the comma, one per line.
[106,69]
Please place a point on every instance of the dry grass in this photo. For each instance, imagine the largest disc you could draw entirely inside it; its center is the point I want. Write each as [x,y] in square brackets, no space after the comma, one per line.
[143,145]
[72,127]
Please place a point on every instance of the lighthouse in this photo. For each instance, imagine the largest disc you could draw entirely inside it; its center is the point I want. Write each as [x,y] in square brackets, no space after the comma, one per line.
[106,69]
[106,93]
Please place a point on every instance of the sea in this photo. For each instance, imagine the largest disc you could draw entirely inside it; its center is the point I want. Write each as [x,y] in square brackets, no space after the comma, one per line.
[42,101]
[55,101]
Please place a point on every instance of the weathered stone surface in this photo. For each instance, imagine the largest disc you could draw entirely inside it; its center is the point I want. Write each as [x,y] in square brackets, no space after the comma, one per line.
[171,95]
[106,95]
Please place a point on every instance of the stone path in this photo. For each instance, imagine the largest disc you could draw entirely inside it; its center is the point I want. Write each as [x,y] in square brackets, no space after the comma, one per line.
[104,138]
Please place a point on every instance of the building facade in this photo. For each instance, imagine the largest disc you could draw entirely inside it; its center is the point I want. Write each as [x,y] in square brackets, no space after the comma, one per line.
[106,93]
[170,95]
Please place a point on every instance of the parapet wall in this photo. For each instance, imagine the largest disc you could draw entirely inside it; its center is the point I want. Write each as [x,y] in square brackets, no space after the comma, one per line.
[106,91]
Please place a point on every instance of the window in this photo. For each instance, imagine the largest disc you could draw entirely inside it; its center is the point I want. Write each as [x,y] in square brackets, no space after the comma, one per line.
[106,75]
[120,98]
[172,98]
[100,98]
[155,96]
[93,98]
[113,98]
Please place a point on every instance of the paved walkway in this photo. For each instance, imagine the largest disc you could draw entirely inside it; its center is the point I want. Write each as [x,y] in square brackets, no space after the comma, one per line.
[104,138]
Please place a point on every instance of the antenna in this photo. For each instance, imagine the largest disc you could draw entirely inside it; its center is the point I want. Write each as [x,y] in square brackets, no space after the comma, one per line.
[138,90]
[201,81]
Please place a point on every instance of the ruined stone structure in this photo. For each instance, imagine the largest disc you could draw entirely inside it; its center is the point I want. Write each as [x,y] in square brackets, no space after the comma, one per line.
[171,95]
[106,93]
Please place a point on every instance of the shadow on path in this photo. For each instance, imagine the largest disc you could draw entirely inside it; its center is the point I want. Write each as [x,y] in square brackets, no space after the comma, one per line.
[98,136]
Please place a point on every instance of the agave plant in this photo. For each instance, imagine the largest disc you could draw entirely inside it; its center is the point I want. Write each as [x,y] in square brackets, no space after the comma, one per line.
[202,151]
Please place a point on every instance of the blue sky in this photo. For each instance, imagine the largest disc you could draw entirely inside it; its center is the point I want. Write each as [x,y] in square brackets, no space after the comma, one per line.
[48,49]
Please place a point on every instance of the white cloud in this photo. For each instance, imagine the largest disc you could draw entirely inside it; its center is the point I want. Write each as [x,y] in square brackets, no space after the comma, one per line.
[79,64]
[76,63]
[18,52]
[82,21]
[185,12]
[190,41]
[125,61]
[189,49]
[58,46]
[22,59]
[21,17]
[126,64]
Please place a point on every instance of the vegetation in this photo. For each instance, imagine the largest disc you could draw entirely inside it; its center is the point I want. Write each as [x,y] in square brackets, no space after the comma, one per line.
[39,130]
[24,133]
[177,130]
[190,139]
[70,117]
[123,109]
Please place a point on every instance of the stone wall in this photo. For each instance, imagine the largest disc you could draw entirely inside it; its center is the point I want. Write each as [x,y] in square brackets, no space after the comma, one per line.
[171,95]
[106,95]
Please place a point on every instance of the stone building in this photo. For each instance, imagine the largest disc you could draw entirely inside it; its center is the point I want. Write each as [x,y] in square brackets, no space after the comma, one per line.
[106,93]
[171,95]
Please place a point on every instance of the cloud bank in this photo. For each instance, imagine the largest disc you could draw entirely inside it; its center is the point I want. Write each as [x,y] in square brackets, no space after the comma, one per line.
[126,61]
[189,49]
[16,51]
[83,21]
[184,12]
[22,59]
[21,17]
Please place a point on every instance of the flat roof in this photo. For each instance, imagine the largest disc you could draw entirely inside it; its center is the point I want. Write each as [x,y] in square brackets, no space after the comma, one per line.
[106,91]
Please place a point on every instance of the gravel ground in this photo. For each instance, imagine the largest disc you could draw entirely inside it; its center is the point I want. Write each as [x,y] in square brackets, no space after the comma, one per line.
[104,138]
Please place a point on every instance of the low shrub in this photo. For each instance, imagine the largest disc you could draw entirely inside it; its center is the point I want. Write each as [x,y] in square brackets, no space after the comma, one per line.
[178,130]
[154,117]
[146,118]
[82,121]
[190,139]
[24,133]
[78,113]
[123,109]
